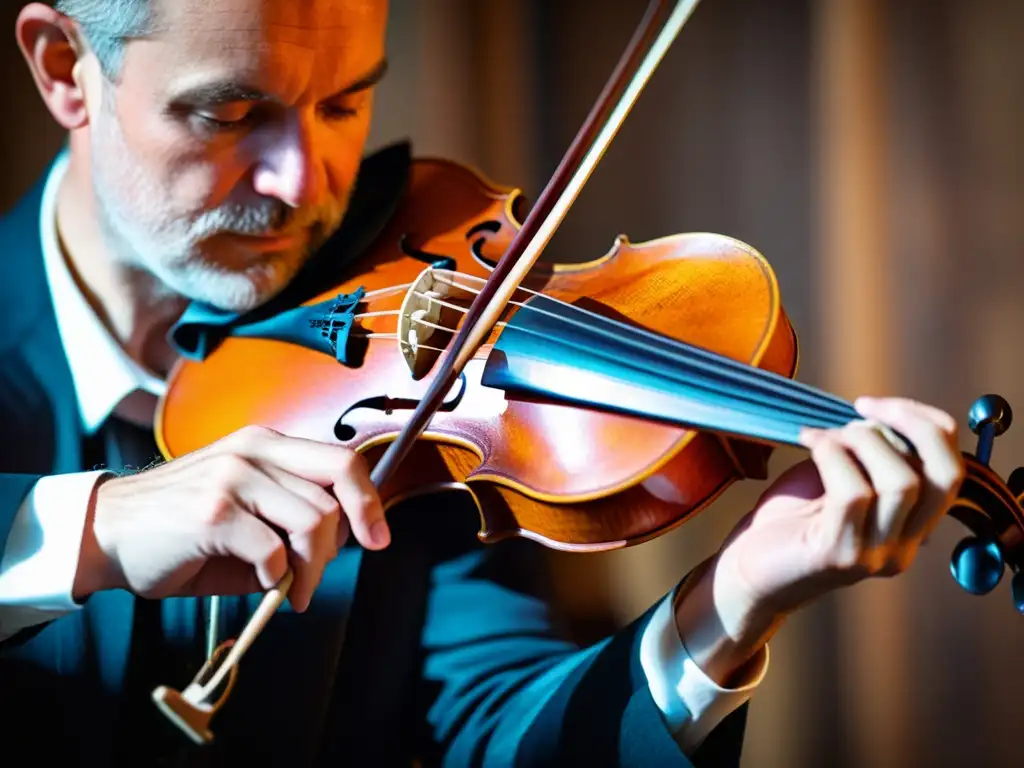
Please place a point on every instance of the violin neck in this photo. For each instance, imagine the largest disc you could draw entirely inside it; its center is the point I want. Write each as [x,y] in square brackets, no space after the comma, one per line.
[557,352]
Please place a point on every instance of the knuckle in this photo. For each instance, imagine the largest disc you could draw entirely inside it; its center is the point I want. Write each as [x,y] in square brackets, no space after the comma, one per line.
[271,548]
[845,558]
[217,511]
[858,499]
[352,462]
[906,487]
[252,433]
[956,476]
[859,430]
[829,441]
[325,503]
[308,526]
[841,554]
[228,470]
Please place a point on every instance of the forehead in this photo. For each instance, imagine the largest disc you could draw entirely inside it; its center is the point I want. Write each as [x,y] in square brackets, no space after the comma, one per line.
[297,43]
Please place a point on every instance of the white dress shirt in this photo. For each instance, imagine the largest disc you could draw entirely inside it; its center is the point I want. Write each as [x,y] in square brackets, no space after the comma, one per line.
[39,563]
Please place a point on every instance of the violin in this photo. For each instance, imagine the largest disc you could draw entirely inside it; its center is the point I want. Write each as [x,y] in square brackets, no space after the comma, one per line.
[587,407]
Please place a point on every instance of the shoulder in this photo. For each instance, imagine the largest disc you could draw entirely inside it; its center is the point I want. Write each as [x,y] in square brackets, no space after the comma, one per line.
[23,288]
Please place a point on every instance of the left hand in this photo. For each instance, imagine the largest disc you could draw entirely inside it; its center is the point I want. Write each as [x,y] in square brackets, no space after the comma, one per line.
[856,509]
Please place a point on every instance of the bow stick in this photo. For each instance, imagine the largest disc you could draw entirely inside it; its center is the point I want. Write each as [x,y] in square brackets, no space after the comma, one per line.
[193,709]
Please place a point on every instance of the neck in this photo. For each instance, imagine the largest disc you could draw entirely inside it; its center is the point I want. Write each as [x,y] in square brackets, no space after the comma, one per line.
[136,308]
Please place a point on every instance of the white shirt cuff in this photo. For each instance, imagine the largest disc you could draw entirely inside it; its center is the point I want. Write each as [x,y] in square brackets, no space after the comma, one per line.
[37,572]
[691,702]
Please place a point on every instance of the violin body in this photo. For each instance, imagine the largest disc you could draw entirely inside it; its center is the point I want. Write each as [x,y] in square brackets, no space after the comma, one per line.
[570,477]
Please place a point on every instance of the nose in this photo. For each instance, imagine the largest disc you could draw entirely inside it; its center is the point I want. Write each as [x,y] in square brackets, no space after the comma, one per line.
[289,167]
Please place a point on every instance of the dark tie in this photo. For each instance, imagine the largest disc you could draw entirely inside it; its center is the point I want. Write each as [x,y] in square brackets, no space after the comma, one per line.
[145,736]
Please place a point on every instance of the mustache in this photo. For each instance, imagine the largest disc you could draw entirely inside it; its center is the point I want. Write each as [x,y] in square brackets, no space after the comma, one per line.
[264,219]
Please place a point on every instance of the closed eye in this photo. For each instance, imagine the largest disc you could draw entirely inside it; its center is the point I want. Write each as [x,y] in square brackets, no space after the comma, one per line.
[338,111]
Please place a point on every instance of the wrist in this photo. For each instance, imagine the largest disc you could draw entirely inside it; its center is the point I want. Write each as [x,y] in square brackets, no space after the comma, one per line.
[97,569]
[721,631]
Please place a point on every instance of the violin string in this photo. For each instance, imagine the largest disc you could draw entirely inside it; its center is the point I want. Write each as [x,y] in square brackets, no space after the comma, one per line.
[406,343]
[712,385]
[682,346]
[746,372]
[394,337]
[694,355]
[828,422]
[378,293]
[780,412]
[715,361]
[456,307]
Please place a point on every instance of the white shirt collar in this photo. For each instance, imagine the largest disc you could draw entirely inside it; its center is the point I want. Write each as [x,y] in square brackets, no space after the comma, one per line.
[102,372]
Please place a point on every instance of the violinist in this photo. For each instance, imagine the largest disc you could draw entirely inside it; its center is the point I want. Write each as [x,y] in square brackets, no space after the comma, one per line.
[212,150]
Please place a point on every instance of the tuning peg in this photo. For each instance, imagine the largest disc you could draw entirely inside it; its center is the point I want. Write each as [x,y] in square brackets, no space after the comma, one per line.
[1017,591]
[977,565]
[989,417]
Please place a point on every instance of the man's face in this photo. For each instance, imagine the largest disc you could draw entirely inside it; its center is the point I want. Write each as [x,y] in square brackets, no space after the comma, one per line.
[227,151]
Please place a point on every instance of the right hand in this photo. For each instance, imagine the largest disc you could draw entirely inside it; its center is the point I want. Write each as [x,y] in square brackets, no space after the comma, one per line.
[204,524]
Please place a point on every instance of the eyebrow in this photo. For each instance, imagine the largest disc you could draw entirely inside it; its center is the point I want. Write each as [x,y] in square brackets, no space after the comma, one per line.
[229,91]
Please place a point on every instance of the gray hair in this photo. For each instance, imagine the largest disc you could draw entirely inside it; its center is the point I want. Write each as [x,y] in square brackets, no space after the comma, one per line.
[108,25]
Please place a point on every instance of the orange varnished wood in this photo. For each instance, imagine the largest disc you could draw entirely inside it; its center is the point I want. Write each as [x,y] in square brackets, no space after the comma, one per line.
[570,477]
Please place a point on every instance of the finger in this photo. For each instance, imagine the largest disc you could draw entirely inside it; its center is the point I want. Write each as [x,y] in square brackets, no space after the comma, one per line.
[246,538]
[847,500]
[896,486]
[320,546]
[333,466]
[311,536]
[941,461]
[361,503]
[878,405]
[320,498]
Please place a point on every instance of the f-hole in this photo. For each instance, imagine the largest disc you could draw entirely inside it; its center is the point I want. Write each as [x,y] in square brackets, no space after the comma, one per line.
[477,236]
[435,260]
[388,405]
[476,246]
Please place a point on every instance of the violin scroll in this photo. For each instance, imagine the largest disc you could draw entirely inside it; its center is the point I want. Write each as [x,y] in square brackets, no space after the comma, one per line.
[991,509]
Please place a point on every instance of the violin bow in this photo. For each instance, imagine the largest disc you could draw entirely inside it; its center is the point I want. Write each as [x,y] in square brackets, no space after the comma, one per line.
[193,708]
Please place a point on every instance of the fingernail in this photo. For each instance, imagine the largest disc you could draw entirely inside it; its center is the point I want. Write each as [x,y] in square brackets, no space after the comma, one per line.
[379,534]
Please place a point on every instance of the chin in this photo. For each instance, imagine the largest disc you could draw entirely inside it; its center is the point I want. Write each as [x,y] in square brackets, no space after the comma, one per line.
[233,291]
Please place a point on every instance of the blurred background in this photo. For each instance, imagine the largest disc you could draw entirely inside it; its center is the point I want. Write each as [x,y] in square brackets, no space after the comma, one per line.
[872,152]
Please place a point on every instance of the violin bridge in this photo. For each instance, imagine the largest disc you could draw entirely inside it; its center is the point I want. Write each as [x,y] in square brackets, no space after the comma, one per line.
[424,323]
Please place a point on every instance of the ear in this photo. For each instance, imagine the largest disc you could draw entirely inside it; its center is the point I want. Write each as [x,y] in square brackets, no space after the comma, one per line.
[54,55]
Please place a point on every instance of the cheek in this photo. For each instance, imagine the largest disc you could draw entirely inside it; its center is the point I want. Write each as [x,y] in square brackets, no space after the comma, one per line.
[349,144]
[190,175]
